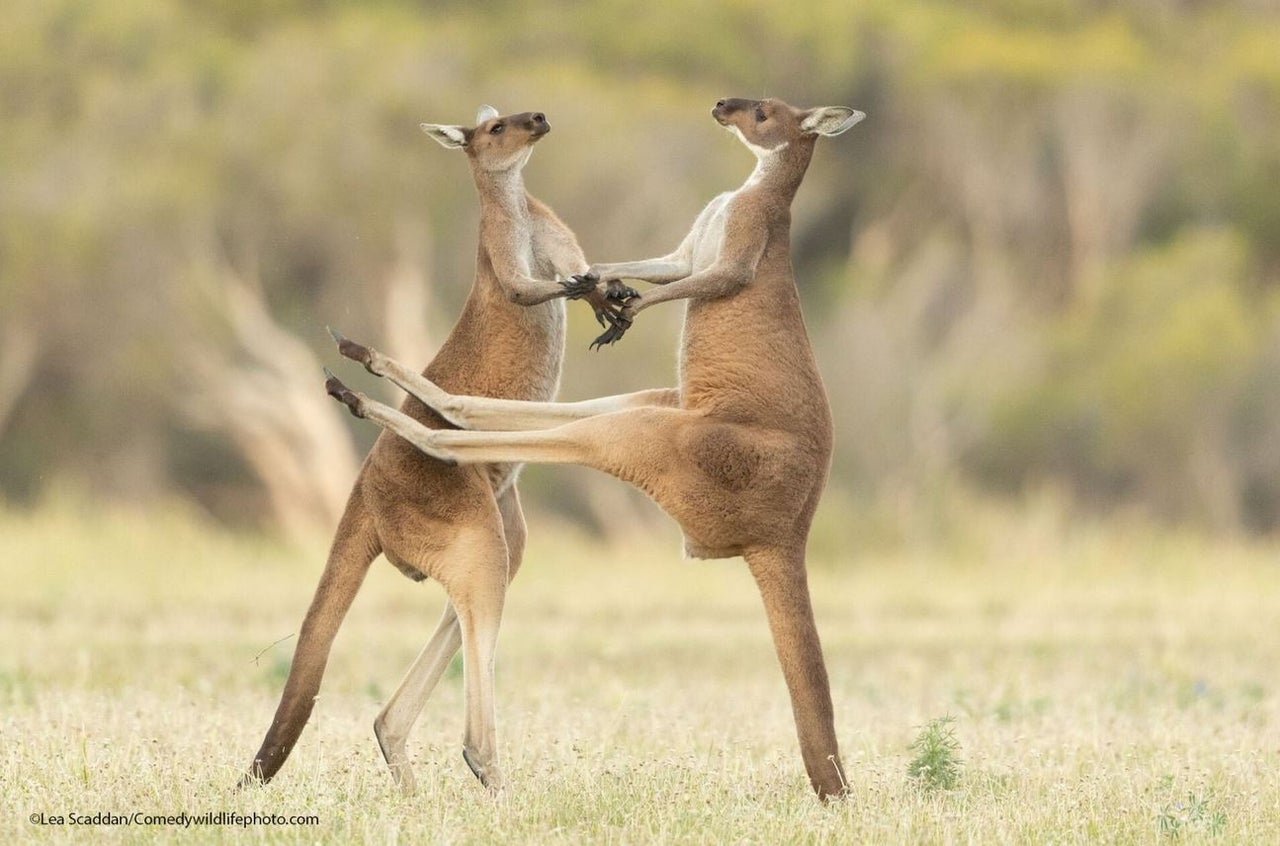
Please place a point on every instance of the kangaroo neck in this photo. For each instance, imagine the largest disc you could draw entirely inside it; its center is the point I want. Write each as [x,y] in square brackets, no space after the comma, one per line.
[502,192]
[779,172]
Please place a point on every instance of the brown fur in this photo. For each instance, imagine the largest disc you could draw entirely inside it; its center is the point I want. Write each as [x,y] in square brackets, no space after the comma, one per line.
[739,454]
[460,525]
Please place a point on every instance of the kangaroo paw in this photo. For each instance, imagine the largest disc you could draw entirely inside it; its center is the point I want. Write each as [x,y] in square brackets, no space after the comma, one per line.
[614,333]
[579,285]
[615,290]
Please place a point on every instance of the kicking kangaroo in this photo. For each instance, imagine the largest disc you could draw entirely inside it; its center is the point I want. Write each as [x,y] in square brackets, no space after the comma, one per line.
[739,454]
[463,526]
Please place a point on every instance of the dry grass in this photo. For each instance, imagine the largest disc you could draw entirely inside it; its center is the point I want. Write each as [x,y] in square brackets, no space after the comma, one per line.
[1106,686]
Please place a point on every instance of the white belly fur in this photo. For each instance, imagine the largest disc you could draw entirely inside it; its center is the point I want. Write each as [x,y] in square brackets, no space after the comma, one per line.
[710,232]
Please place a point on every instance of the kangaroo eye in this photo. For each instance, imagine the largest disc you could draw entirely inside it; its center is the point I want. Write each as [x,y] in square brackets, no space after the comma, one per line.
[496,129]
[760,115]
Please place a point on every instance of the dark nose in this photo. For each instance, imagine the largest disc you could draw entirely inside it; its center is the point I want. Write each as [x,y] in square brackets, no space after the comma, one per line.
[537,124]
[720,104]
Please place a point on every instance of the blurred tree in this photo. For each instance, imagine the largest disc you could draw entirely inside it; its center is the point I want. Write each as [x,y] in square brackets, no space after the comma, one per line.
[1048,257]
[1136,398]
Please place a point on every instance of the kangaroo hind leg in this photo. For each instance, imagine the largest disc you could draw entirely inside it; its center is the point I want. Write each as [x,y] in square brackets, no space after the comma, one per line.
[478,597]
[780,575]
[355,545]
[405,706]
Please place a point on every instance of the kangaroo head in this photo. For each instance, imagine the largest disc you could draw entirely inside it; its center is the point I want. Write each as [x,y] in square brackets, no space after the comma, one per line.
[769,125]
[496,142]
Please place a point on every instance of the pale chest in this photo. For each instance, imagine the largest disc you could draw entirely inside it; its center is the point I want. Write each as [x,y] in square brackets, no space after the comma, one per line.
[521,246]
[709,232]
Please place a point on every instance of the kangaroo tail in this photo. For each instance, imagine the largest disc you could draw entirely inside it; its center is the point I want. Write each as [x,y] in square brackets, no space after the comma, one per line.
[355,545]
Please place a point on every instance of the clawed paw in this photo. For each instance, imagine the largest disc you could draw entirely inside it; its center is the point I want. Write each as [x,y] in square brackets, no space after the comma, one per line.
[618,292]
[579,285]
[606,311]
[620,322]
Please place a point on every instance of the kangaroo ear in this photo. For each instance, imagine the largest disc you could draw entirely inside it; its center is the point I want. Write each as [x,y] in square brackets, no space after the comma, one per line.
[830,120]
[452,137]
[485,113]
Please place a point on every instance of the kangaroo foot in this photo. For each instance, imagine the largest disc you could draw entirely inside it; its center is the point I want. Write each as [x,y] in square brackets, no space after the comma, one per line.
[490,776]
[398,763]
[356,352]
[333,387]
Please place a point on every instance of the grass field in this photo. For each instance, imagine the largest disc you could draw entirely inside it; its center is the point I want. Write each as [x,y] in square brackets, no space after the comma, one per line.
[1105,686]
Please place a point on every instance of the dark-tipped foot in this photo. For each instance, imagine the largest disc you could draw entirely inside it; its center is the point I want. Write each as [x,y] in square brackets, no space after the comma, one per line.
[489,776]
[350,349]
[475,771]
[333,387]
[827,790]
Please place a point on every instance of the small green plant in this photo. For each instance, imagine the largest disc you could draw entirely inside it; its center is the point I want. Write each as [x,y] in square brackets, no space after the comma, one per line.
[937,763]
[1192,814]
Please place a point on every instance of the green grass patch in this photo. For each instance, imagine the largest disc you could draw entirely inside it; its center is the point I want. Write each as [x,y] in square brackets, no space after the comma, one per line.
[1107,686]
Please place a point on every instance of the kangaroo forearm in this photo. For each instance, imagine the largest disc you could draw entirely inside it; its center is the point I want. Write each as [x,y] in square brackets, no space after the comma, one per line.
[707,285]
[527,291]
[656,271]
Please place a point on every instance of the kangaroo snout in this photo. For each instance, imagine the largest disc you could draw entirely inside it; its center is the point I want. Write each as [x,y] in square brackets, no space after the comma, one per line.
[724,108]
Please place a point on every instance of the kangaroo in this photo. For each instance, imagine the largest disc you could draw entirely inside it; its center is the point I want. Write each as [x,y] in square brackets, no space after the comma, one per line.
[739,453]
[462,526]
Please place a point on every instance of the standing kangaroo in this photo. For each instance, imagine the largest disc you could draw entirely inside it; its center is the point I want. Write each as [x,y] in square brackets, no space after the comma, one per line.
[463,526]
[739,454]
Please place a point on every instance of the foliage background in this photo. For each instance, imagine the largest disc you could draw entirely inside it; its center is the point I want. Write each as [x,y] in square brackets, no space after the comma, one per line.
[1046,265]
[1042,281]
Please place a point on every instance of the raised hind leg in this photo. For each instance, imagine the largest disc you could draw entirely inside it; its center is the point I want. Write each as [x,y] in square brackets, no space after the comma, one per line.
[493,413]
[635,444]
[402,710]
